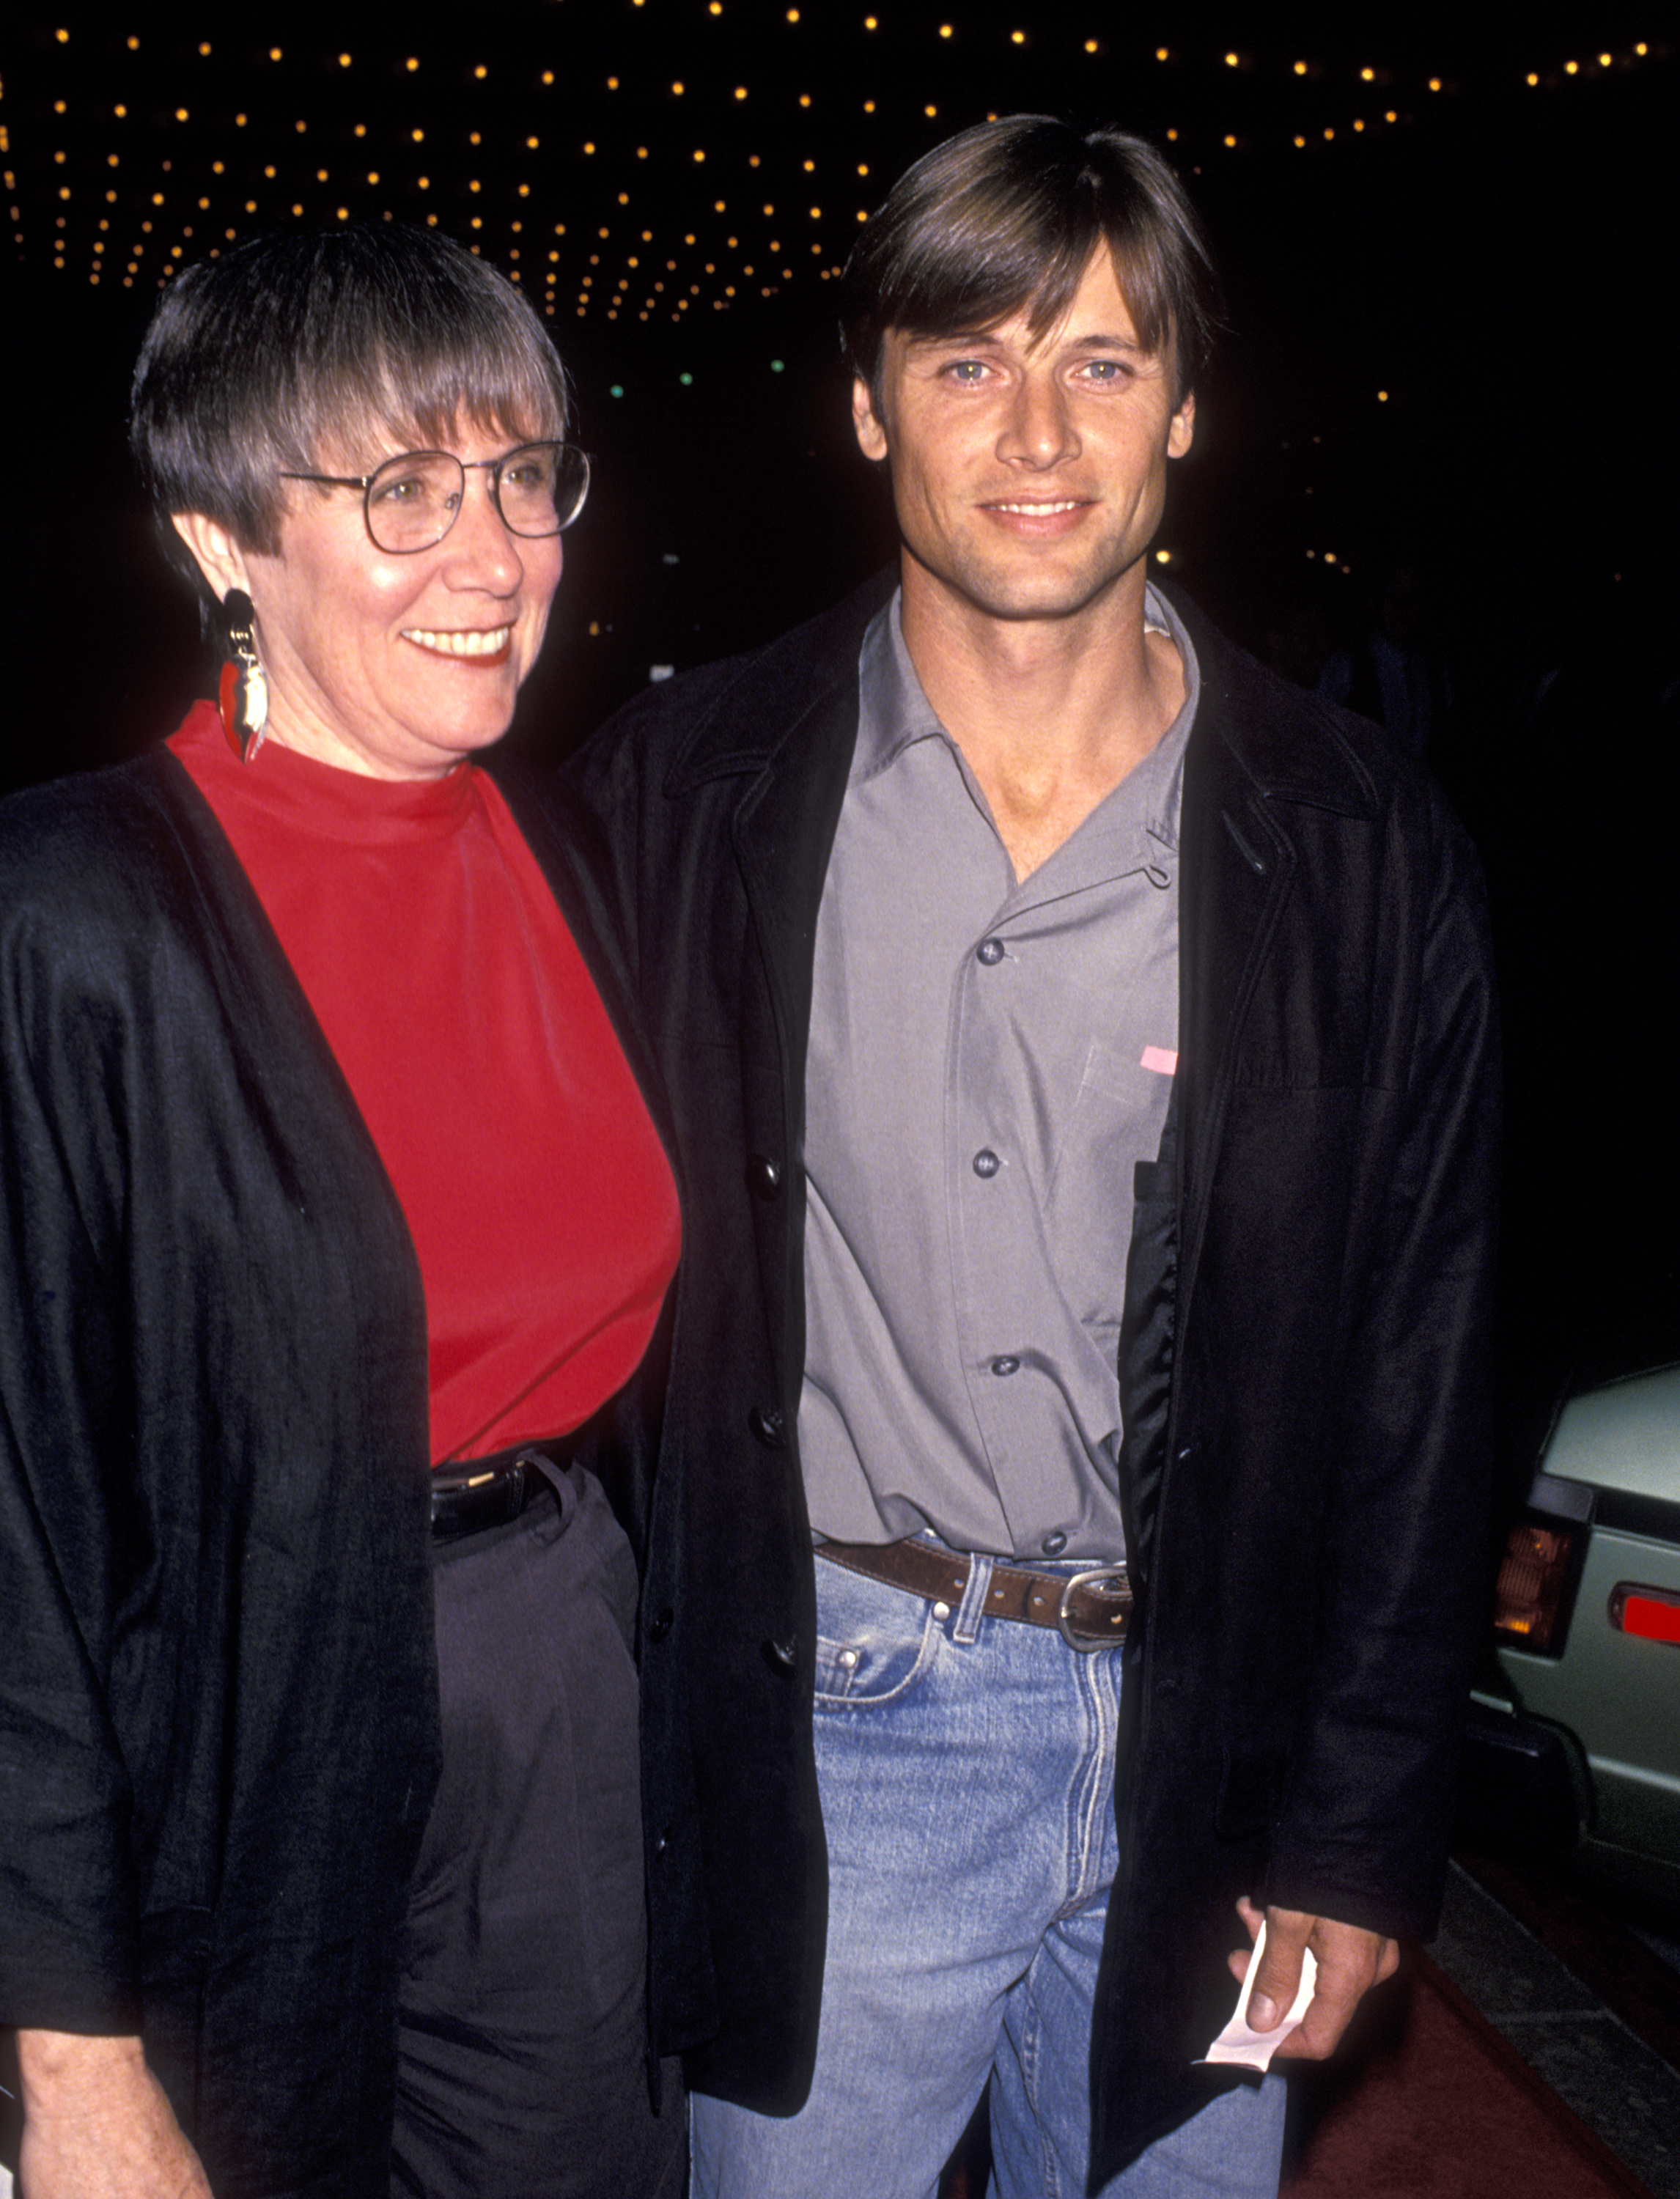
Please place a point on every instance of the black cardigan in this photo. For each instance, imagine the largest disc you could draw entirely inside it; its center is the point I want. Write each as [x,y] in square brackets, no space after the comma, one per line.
[218,1726]
[1304,1368]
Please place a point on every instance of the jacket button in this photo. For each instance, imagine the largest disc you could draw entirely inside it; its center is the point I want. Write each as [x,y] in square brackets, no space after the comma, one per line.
[660,1624]
[764,1176]
[781,1656]
[661,1844]
[769,1425]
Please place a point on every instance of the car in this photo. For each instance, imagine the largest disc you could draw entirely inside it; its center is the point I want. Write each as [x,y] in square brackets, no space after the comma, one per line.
[1574,1732]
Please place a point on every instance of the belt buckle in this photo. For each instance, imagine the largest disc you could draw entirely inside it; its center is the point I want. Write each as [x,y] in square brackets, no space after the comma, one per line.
[1085,1644]
[453,1495]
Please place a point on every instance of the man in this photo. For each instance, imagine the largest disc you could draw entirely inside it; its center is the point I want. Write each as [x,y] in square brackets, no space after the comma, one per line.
[1079,1046]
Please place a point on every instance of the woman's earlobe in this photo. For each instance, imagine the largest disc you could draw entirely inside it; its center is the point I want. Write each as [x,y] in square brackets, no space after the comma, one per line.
[215,553]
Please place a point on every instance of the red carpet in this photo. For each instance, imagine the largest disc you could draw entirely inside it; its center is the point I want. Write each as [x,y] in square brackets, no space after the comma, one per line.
[1443,2108]
[1435,2105]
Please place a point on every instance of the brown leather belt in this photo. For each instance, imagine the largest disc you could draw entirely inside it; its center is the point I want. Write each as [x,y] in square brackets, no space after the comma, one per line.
[1090,1610]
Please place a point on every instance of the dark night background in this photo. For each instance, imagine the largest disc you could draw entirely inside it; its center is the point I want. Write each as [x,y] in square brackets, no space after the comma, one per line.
[1497,259]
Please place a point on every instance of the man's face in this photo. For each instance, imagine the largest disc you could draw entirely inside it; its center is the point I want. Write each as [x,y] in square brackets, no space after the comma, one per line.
[1029,475]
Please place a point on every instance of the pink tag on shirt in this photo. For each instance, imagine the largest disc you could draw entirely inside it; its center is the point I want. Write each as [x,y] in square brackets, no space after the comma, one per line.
[1157,1057]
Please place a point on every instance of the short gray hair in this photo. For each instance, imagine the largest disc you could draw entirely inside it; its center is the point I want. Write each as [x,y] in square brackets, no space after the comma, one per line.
[299,346]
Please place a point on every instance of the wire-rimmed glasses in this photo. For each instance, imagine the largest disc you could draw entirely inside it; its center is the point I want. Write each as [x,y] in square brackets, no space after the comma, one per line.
[411,502]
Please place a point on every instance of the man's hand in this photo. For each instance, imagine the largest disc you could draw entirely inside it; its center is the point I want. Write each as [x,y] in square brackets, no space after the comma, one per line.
[1350,1962]
[97,2124]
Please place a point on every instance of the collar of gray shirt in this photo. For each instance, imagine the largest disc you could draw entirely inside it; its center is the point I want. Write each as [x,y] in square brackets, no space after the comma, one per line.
[894,712]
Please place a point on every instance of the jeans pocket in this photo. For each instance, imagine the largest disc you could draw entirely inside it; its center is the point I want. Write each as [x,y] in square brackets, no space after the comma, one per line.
[874,1643]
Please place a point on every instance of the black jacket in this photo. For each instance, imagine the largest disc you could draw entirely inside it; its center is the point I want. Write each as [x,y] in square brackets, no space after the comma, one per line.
[1303,1356]
[219,1720]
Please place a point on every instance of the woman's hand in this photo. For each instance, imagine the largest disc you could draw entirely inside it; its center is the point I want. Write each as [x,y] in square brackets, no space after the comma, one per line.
[97,2124]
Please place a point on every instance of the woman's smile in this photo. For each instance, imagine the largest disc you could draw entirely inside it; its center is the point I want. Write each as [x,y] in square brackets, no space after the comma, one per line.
[484,645]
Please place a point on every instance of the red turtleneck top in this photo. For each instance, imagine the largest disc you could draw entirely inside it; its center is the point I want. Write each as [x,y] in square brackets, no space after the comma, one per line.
[449,987]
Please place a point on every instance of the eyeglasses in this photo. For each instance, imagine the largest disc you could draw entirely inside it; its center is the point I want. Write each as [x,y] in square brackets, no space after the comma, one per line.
[411,502]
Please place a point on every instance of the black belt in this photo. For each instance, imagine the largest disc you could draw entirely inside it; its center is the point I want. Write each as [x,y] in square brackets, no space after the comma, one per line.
[1090,1609]
[484,1492]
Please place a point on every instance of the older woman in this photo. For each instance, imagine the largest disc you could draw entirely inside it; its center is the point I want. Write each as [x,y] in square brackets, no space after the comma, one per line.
[332,1220]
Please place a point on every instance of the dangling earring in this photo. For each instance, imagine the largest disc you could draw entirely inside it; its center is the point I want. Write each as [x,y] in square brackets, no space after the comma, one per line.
[242,696]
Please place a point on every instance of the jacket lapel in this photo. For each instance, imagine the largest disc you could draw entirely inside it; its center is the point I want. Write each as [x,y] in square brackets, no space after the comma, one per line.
[783,832]
[784,731]
[1234,874]
[783,829]
[1247,769]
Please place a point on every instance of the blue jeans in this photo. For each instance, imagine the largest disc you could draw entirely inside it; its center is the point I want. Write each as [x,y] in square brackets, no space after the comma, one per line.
[966,1767]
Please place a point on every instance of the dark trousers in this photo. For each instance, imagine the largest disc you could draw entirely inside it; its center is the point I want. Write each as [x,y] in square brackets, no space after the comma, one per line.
[523,2048]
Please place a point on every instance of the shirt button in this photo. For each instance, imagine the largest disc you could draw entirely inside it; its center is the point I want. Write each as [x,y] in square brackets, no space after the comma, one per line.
[989,951]
[1053,1544]
[1006,1364]
[986,1162]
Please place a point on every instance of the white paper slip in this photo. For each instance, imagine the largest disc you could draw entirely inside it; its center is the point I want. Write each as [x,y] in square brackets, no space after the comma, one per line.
[1253,2049]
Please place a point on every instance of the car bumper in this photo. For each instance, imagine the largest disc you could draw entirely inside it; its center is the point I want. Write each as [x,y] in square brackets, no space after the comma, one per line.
[1517,1785]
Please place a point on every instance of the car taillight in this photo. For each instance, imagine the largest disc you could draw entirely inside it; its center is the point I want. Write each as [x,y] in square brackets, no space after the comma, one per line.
[1651,1613]
[1528,1594]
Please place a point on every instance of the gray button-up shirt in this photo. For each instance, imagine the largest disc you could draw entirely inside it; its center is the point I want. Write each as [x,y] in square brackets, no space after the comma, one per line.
[988,1059]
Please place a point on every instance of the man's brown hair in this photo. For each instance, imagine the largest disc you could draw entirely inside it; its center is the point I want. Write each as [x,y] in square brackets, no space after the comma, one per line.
[1004,218]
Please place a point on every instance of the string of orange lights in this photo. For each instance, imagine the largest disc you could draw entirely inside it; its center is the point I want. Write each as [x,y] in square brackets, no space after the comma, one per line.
[648,162]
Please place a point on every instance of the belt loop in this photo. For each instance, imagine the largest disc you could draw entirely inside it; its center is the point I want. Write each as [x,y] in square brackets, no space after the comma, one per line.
[972,1608]
[559,1480]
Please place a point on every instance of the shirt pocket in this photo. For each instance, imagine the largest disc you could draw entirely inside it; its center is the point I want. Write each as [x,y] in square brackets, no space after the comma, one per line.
[1107,1101]
[1115,1122]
